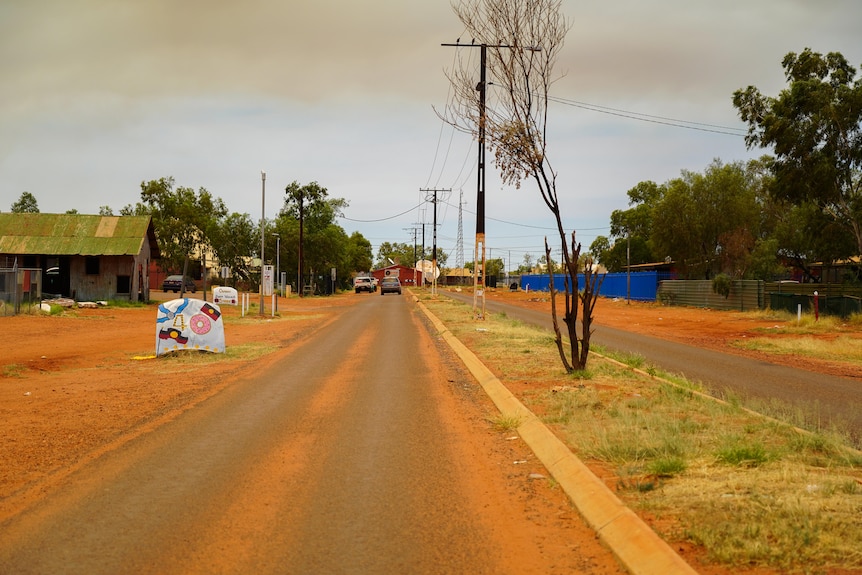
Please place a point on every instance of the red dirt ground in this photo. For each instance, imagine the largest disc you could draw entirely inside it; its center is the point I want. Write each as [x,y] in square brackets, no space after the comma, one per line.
[71,385]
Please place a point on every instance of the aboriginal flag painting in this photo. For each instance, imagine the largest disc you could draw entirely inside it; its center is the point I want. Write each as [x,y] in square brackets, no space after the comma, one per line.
[189,324]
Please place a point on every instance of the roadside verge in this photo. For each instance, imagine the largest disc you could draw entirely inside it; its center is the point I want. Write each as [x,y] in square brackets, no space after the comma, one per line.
[634,543]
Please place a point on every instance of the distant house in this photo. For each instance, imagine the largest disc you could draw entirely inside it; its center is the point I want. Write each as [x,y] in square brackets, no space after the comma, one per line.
[458,277]
[82,257]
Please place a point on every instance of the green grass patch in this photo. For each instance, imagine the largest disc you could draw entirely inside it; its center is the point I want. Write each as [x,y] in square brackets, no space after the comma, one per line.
[12,370]
[505,422]
[842,348]
[248,351]
[742,453]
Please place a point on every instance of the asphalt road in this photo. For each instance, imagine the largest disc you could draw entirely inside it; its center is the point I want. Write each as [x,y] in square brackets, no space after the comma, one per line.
[824,398]
[352,453]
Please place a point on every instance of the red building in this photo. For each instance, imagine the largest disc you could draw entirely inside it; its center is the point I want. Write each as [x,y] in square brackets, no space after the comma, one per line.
[409,276]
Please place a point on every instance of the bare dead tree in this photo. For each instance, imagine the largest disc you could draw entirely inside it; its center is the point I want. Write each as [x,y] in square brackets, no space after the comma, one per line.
[523,39]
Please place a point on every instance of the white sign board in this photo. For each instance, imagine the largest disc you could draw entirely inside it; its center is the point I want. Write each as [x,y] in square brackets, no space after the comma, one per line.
[189,324]
[225,295]
[268,277]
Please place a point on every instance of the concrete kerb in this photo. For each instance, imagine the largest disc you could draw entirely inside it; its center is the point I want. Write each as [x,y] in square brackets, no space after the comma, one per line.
[635,544]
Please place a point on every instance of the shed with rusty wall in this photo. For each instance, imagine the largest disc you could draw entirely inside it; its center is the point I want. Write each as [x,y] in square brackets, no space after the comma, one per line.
[84,257]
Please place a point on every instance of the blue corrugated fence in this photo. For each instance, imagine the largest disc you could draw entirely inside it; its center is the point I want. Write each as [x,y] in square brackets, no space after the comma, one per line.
[644,285]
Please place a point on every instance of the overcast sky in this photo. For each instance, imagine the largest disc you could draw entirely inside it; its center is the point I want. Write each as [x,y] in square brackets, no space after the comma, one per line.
[99,95]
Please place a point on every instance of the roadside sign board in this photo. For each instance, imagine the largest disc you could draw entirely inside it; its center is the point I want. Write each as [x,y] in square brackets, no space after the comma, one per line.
[189,324]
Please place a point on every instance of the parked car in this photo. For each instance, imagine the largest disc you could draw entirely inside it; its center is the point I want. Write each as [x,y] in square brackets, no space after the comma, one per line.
[390,285]
[363,283]
[175,284]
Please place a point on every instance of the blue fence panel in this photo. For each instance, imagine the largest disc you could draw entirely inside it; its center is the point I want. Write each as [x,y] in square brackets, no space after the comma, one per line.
[644,285]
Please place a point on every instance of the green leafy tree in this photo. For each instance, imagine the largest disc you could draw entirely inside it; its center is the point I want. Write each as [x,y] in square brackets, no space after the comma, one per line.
[763,262]
[315,243]
[624,251]
[26,204]
[182,219]
[138,209]
[359,254]
[299,203]
[701,220]
[806,235]
[815,128]
[106,211]
[233,239]
[493,267]
[396,252]
[637,221]
[631,230]
[527,264]
[403,253]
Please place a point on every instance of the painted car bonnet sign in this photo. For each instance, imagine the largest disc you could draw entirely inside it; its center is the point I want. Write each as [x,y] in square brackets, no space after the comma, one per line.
[189,324]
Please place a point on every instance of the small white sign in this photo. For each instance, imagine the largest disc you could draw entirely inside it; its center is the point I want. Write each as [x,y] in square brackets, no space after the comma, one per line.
[225,295]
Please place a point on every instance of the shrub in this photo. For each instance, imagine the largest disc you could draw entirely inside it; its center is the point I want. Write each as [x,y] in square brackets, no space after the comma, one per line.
[721,285]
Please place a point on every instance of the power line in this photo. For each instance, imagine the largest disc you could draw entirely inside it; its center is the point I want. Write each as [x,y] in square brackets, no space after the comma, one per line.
[689,125]
[384,219]
[663,120]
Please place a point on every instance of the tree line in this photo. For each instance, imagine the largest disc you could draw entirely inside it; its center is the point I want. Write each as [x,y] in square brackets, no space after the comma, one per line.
[191,222]
[768,217]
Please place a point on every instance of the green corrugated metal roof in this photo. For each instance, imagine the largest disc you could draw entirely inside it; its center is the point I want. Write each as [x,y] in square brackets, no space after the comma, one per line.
[75,234]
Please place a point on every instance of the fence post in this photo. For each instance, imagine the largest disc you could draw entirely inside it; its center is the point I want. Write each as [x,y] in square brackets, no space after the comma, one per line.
[816,308]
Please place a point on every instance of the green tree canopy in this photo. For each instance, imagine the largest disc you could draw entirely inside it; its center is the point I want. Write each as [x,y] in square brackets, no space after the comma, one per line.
[182,218]
[359,255]
[624,251]
[815,128]
[403,253]
[26,204]
[708,222]
[233,240]
[630,241]
[312,241]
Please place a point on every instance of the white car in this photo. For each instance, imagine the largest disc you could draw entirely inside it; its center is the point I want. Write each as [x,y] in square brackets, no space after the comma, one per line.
[364,283]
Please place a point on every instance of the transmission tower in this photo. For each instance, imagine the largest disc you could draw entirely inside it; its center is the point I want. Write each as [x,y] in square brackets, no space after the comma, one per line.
[459,243]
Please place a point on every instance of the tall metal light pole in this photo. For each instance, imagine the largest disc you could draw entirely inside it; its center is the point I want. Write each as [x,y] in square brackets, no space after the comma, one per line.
[299,287]
[277,267]
[262,228]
